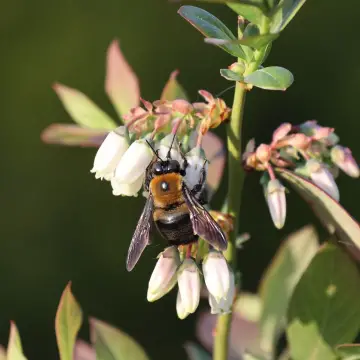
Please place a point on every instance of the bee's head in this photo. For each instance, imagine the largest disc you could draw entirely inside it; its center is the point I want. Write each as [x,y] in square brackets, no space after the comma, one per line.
[161,167]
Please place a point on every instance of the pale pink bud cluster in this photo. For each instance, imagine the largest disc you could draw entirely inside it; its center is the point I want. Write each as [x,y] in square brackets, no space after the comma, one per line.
[308,149]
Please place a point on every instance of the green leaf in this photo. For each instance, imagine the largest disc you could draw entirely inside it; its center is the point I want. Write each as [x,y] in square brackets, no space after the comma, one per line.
[257,41]
[284,13]
[280,279]
[333,216]
[82,110]
[112,344]
[271,78]
[210,26]
[73,135]
[67,323]
[348,351]
[231,75]
[324,310]
[252,10]
[172,89]
[121,84]
[195,352]
[14,349]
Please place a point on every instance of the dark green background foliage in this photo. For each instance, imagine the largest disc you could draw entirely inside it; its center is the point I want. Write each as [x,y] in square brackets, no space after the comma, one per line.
[59,224]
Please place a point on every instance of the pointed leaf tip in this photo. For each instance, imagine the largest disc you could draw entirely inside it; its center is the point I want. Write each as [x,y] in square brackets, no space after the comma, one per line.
[82,110]
[172,89]
[14,350]
[113,344]
[68,321]
[121,84]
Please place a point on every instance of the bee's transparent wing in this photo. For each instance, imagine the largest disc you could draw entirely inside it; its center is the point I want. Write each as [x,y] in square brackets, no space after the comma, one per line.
[141,236]
[202,222]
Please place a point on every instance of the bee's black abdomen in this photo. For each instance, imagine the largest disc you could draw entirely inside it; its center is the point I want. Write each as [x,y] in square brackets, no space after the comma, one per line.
[176,229]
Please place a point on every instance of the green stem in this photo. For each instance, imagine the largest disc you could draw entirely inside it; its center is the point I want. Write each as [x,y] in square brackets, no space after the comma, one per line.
[236,180]
[235,187]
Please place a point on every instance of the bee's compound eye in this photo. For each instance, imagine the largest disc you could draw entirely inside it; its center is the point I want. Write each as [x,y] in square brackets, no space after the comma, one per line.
[173,166]
[157,168]
[164,186]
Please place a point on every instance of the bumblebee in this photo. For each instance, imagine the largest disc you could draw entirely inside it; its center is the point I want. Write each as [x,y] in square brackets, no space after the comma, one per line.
[177,212]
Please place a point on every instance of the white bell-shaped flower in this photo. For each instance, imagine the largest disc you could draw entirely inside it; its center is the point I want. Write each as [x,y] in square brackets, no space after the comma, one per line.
[216,274]
[164,147]
[223,305]
[322,177]
[196,163]
[134,162]
[127,189]
[180,308]
[109,153]
[189,285]
[276,199]
[163,278]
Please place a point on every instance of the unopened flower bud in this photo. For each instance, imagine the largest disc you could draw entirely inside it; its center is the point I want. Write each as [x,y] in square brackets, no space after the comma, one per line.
[189,285]
[164,147]
[216,274]
[343,158]
[238,67]
[163,278]
[281,132]
[182,106]
[127,189]
[322,177]
[263,153]
[109,154]
[224,305]
[197,165]
[322,132]
[275,196]
[180,309]
[134,162]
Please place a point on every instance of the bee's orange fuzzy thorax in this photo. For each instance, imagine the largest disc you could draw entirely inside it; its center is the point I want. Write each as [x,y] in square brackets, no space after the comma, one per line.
[173,194]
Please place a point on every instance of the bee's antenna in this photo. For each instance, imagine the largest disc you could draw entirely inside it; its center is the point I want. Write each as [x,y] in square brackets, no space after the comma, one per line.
[171,145]
[174,131]
[154,151]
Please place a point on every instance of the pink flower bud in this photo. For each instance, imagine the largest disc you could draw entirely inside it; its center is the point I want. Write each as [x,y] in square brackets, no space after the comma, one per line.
[322,132]
[343,158]
[275,196]
[182,106]
[281,132]
[263,153]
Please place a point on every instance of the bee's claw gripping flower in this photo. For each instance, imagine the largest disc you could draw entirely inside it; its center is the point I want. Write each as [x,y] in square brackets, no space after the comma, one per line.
[197,164]
[163,278]
[110,152]
[189,285]
[134,162]
[216,274]
[275,196]
[322,177]
[224,305]
[343,158]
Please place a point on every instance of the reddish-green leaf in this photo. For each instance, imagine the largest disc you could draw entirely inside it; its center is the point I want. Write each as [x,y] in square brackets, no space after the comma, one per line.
[67,323]
[113,344]
[348,351]
[121,85]
[172,89]
[14,349]
[330,212]
[73,135]
[82,110]
[211,27]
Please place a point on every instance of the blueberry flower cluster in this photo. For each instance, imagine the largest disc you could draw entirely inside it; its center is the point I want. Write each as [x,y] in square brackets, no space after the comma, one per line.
[308,149]
[126,152]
